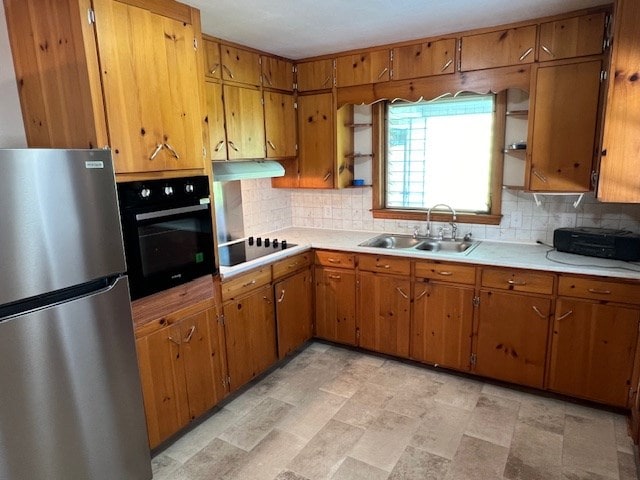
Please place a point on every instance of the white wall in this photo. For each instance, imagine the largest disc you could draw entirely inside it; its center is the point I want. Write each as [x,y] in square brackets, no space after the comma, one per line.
[11,128]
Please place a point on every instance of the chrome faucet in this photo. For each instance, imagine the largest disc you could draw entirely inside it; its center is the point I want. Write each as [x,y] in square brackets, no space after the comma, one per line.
[454,227]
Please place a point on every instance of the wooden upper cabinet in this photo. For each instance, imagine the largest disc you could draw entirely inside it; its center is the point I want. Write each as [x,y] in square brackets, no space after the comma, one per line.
[244,119]
[424,59]
[277,73]
[215,122]
[362,68]
[316,130]
[572,37]
[315,75]
[280,124]
[501,48]
[563,127]
[621,142]
[240,65]
[212,62]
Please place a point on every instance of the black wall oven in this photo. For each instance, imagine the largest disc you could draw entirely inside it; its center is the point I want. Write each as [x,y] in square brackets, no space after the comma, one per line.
[167,230]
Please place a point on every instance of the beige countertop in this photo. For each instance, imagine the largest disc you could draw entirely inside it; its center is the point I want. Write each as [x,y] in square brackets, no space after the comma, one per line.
[488,252]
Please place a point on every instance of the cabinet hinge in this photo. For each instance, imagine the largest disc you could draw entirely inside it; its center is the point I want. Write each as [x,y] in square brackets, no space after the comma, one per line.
[473,359]
[295,105]
[296,147]
[294,69]
[335,80]
[260,60]
[91,16]
[195,44]
[476,301]
[607,20]
[295,86]
[204,152]
[594,182]
[358,333]
[262,100]
[632,392]
[459,54]
[221,319]
[228,381]
[603,75]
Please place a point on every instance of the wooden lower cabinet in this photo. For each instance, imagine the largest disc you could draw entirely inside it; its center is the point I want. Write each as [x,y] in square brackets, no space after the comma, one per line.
[441,324]
[182,371]
[294,312]
[384,313]
[336,305]
[512,337]
[593,350]
[250,335]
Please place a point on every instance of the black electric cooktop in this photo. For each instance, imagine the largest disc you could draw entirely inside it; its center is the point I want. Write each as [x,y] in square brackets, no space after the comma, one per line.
[246,250]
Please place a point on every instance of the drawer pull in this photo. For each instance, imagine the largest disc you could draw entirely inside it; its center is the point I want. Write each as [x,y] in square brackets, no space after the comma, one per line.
[327,176]
[270,143]
[401,292]
[266,300]
[293,265]
[421,295]
[326,81]
[173,340]
[537,310]
[335,277]
[599,292]
[526,54]
[517,283]
[387,266]
[446,65]
[565,315]
[156,151]
[228,70]
[248,284]
[385,70]
[334,260]
[445,273]
[547,50]
[192,330]
[219,146]
[213,69]
[281,297]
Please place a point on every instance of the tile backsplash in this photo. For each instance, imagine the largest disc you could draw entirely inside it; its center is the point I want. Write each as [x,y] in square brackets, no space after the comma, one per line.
[266,209]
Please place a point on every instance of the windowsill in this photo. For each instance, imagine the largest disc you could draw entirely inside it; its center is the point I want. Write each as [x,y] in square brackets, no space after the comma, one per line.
[482,219]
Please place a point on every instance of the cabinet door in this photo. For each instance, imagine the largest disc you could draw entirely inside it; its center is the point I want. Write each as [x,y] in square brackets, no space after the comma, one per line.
[277,73]
[441,325]
[336,305]
[280,124]
[514,46]
[621,141]
[164,388]
[512,337]
[362,68]
[316,140]
[384,313]
[240,65]
[592,351]
[212,62]
[202,361]
[315,75]
[215,122]
[244,119]
[424,59]
[563,129]
[250,336]
[293,311]
[572,37]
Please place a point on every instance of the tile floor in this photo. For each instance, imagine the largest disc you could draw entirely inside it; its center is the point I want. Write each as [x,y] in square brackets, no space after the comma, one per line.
[331,413]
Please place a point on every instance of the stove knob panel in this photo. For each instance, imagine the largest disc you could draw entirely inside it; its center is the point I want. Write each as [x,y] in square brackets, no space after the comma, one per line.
[266,242]
[275,243]
[259,242]
[284,244]
[250,240]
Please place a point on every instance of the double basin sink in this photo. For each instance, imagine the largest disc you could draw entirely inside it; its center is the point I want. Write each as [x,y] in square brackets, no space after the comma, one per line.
[409,242]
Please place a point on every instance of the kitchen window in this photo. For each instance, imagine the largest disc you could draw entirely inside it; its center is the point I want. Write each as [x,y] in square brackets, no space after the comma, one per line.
[442,151]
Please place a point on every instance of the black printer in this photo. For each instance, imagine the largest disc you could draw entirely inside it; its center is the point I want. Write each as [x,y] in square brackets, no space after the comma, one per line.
[598,242]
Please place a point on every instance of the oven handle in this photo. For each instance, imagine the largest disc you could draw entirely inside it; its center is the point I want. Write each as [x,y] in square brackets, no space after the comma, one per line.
[171,211]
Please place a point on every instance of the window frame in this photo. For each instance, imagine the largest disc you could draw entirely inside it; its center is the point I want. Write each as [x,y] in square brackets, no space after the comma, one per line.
[380,162]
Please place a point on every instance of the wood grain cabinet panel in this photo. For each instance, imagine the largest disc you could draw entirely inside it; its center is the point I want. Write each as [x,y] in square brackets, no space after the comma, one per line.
[336,304]
[316,137]
[441,324]
[362,68]
[572,37]
[280,125]
[621,141]
[563,127]
[294,311]
[381,264]
[215,122]
[424,59]
[593,350]
[514,46]
[518,281]
[329,258]
[212,62]
[446,272]
[239,65]
[512,337]
[384,313]
[314,75]
[276,73]
[244,119]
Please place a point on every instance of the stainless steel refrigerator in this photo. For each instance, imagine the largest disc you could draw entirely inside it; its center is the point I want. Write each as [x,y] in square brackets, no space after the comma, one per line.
[70,396]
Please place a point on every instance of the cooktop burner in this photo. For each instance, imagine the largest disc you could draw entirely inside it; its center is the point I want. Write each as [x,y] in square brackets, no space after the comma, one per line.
[250,249]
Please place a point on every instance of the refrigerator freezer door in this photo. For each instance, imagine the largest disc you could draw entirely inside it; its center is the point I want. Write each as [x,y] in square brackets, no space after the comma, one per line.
[59,220]
[71,403]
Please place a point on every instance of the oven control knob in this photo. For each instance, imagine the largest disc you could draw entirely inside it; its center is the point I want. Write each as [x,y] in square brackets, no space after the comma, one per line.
[168,191]
[145,192]
[275,243]
[266,242]
[259,242]
[188,188]
[284,244]
[250,240]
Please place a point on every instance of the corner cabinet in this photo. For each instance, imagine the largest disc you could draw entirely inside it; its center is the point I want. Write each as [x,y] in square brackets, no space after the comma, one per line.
[143,62]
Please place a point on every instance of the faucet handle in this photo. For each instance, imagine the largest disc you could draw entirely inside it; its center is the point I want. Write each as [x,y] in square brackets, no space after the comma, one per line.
[467,237]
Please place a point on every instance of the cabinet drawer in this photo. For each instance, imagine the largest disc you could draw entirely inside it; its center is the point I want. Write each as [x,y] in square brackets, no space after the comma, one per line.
[246,282]
[500,48]
[572,37]
[446,272]
[599,289]
[373,263]
[518,281]
[291,264]
[336,259]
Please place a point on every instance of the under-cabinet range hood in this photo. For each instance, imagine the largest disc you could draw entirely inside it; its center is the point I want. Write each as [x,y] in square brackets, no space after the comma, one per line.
[226,171]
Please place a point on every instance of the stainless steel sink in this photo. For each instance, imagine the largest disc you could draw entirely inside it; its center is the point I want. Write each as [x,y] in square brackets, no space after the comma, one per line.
[408,242]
